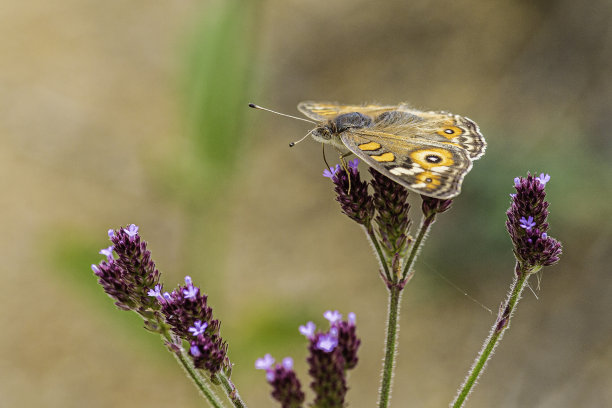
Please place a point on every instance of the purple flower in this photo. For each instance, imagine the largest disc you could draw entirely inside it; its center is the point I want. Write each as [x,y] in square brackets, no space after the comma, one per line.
[198,328]
[528,223]
[543,178]
[327,342]
[209,353]
[332,316]
[286,388]
[352,193]
[352,318]
[129,278]
[191,291]
[195,351]
[327,369]
[111,233]
[391,203]
[308,330]
[264,363]
[331,172]
[131,230]
[288,363]
[353,165]
[156,291]
[107,252]
[432,206]
[191,319]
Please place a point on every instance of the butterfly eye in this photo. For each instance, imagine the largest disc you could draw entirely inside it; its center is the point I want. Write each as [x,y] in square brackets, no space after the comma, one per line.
[450,132]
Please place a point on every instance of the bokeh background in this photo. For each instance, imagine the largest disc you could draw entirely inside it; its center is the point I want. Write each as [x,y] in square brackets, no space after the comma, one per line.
[121,112]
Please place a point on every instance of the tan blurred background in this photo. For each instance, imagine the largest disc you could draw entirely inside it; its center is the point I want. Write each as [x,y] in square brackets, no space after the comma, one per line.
[135,112]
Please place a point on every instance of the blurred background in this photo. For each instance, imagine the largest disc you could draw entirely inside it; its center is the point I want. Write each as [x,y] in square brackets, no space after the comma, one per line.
[136,112]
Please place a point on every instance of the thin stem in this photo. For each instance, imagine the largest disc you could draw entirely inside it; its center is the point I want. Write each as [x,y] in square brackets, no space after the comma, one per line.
[497,332]
[381,258]
[231,391]
[395,294]
[426,223]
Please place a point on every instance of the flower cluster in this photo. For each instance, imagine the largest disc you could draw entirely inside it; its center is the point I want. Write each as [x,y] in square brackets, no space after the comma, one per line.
[187,312]
[390,201]
[132,280]
[352,192]
[128,277]
[332,353]
[527,223]
[286,387]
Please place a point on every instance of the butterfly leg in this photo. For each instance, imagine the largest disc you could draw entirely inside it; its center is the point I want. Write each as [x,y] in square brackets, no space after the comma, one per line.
[345,167]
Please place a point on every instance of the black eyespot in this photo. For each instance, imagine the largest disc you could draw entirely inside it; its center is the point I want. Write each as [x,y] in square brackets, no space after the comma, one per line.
[428,180]
[432,158]
[449,131]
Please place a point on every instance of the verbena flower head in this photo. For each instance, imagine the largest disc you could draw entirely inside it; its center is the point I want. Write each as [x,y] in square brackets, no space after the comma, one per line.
[185,306]
[286,387]
[353,196]
[432,206]
[390,200]
[527,223]
[132,275]
[331,354]
[186,311]
[209,352]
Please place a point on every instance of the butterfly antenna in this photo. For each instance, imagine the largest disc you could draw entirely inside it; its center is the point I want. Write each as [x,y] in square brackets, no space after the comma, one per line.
[305,136]
[252,105]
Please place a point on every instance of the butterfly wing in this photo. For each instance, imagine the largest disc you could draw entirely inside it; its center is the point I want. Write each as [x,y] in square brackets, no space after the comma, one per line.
[322,111]
[455,129]
[429,167]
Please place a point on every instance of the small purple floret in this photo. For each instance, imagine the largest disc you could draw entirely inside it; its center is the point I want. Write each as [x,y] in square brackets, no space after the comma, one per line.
[156,291]
[195,351]
[543,179]
[528,223]
[131,230]
[327,342]
[264,363]
[331,172]
[308,330]
[191,291]
[198,328]
[352,318]
[111,233]
[107,252]
[288,363]
[332,316]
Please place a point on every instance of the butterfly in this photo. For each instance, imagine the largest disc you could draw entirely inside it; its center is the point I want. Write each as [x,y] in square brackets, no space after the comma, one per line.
[425,151]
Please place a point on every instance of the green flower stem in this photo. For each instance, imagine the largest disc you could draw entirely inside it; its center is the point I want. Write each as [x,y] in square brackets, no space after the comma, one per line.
[381,258]
[231,391]
[426,223]
[395,295]
[185,361]
[497,332]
